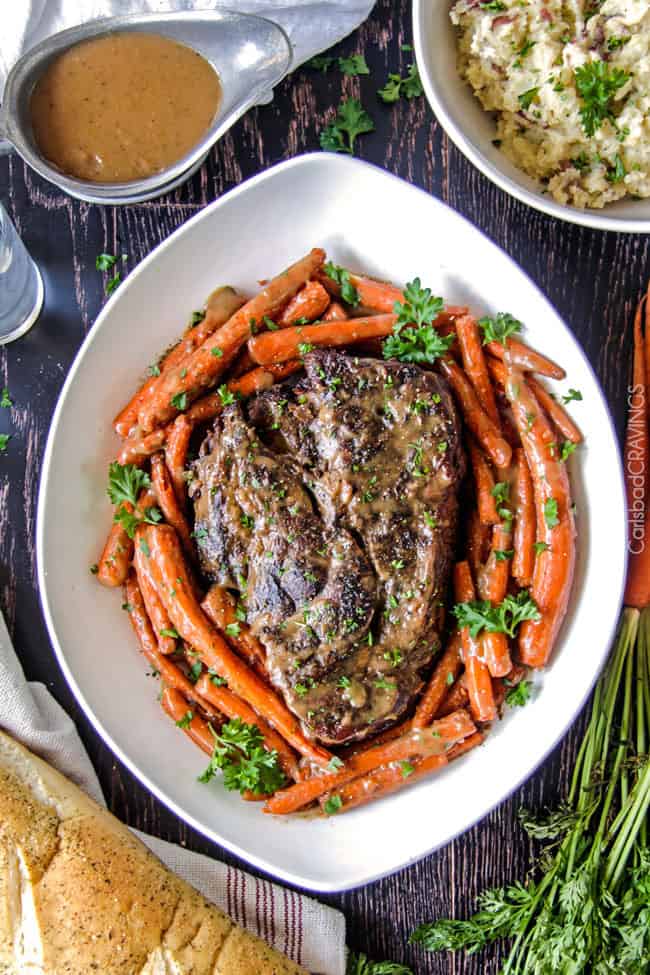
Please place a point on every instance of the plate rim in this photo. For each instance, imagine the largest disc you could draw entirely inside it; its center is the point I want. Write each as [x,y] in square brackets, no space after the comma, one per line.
[594,219]
[284,874]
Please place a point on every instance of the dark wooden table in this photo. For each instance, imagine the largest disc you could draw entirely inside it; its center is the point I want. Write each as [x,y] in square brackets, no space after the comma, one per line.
[592,278]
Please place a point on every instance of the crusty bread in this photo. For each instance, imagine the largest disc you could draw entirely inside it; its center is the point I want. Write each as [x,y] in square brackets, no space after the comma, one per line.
[80,895]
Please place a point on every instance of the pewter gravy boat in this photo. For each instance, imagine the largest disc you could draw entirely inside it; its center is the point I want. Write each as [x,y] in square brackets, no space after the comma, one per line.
[249,53]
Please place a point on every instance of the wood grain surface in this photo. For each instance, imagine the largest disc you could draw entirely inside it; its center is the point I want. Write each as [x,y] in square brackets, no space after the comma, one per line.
[592,278]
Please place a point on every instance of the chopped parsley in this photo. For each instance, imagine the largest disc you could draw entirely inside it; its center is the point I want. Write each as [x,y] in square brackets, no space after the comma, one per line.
[186,720]
[5,399]
[574,395]
[540,547]
[341,276]
[353,65]
[226,397]
[519,696]
[410,86]
[351,121]
[406,769]
[550,513]
[179,401]
[597,84]
[233,630]
[332,805]
[246,764]
[527,98]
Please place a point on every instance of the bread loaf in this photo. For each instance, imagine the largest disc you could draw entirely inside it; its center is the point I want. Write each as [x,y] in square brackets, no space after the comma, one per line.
[80,895]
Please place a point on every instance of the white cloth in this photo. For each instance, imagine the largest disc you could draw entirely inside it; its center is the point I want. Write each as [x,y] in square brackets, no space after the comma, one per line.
[312,25]
[308,932]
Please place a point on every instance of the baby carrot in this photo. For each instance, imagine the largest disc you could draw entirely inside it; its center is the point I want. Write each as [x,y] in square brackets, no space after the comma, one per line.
[270,347]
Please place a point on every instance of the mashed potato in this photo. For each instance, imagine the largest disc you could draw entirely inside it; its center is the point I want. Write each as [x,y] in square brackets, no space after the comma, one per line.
[521,59]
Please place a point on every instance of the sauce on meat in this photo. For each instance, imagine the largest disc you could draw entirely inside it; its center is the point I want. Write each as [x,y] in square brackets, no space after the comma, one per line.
[123,106]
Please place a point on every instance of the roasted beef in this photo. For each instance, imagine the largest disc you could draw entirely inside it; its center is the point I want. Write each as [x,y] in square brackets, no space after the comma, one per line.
[330,504]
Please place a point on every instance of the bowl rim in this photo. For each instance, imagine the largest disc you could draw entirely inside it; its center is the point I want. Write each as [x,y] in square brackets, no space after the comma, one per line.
[288,875]
[135,190]
[594,219]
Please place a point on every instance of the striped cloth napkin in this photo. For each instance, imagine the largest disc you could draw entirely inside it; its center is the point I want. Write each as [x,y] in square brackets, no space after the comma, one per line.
[308,932]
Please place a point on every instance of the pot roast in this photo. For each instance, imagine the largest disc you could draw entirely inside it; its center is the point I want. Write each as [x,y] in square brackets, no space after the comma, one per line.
[330,505]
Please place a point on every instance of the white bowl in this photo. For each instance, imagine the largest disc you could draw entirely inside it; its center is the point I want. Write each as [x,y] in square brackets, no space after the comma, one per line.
[473,129]
[249,234]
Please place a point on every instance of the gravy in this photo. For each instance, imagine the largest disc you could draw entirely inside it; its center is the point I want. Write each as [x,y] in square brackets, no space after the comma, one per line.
[123,106]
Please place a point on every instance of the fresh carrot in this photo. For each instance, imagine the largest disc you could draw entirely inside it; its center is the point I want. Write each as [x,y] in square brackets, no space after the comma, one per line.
[418,743]
[196,729]
[170,674]
[309,304]
[479,682]
[484,484]
[271,347]
[220,608]
[444,674]
[164,488]
[523,559]
[158,615]
[176,447]
[233,707]
[636,457]
[175,588]
[526,359]
[554,566]
[209,361]
[479,423]
[475,366]
[222,303]
[492,584]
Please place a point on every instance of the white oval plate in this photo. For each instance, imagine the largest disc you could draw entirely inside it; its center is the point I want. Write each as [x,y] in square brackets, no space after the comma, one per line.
[473,129]
[370,220]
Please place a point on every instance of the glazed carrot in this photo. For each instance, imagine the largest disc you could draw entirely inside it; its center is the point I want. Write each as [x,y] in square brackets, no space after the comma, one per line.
[164,488]
[114,562]
[136,449]
[255,381]
[175,588]
[636,454]
[335,313]
[158,615]
[170,674]
[382,781]
[523,559]
[209,361]
[388,734]
[242,364]
[456,698]
[444,674]
[475,365]
[377,295]
[479,682]
[479,423]
[465,746]
[273,347]
[233,707]
[310,303]
[221,304]
[556,412]
[484,484]
[553,571]
[196,729]
[492,584]
[478,540]
[178,441]
[418,743]
[220,608]
[528,360]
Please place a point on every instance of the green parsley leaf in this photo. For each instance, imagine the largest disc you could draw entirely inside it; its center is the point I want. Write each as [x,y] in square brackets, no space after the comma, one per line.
[494,6]
[304,347]
[574,395]
[550,513]
[341,276]
[414,338]
[392,89]
[343,681]
[216,352]
[503,554]
[196,318]
[616,43]
[406,769]
[618,172]
[567,449]
[233,630]
[153,370]
[170,632]
[270,324]
[125,481]
[144,548]
[481,615]
[186,720]
[104,262]
[384,685]
[246,764]
[499,328]
[540,547]
[226,397]
[332,805]
[322,62]
[5,399]
[396,87]
[334,764]
[597,84]
[354,65]
[179,401]
[519,696]
[112,283]
[527,98]
[351,121]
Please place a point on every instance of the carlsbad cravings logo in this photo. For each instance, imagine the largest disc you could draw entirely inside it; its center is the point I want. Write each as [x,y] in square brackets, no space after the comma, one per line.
[636,461]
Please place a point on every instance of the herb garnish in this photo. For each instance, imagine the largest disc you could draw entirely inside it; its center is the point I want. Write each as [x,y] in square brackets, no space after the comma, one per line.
[353,65]
[597,84]
[125,481]
[481,615]
[499,328]
[341,276]
[5,399]
[351,120]
[246,765]
[414,338]
[519,696]
[410,86]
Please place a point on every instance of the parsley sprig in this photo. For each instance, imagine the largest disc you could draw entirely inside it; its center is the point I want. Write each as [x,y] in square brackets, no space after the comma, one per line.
[340,276]
[597,84]
[351,121]
[414,338]
[410,86]
[125,481]
[499,328]
[480,614]
[246,764]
